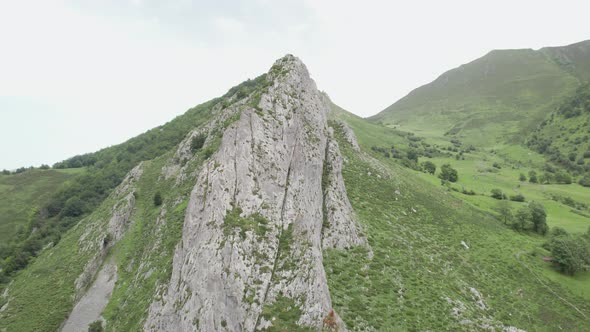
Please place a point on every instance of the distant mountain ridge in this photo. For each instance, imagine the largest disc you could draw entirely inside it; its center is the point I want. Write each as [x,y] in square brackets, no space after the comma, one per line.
[512,88]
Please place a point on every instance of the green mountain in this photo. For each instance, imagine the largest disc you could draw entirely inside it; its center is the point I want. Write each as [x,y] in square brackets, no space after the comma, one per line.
[494,99]
[565,135]
[273,209]
[23,194]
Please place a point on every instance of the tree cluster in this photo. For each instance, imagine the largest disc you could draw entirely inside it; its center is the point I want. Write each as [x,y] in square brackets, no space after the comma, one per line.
[570,253]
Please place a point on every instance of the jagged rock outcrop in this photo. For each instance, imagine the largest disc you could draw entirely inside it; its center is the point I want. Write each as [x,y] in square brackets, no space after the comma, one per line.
[252,238]
[341,229]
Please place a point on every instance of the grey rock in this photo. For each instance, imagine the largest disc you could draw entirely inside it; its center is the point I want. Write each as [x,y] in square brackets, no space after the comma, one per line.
[91,305]
[269,165]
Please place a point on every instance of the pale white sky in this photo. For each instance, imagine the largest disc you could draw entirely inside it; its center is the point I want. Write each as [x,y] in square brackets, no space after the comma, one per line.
[76,76]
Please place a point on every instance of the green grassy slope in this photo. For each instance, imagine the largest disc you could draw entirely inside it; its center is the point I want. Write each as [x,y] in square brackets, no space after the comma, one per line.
[574,58]
[24,193]
[564,136]
[492,99]
[420,269]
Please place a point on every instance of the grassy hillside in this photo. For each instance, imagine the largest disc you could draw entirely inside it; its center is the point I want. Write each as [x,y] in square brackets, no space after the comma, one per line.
[421,277]
[493,99]
[24,193]
[574,58]
[564,136]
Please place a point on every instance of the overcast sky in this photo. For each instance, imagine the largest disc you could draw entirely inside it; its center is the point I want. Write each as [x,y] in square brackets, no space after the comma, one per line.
[76,76]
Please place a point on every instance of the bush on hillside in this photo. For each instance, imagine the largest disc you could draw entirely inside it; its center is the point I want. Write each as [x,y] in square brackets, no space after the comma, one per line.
[533,177]
[563,177]
[95,326]
[428,167]
[585,181]
[198,142]
[158,199]
[498,194]
[448,173]
[517,198]
[571,254]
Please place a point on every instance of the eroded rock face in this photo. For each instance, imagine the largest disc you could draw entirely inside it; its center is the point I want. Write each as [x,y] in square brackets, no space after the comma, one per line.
[252,237]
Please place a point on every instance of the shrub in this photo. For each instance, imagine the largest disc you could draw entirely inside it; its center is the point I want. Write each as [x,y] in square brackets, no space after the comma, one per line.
[158,199]
[428,167]
[558,231]
[505,212]
[533,177]
[585,181]
[538,217]
[563,177]
[498,194]
[469,192]
[198,142]
[73,207]
[572,156]
[517,198]
[95,326]
[207,153]
[448,173]
[571,254]
[412,155]
[522,177]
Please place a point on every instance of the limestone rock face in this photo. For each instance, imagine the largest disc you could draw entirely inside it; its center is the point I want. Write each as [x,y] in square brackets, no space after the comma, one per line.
[254,228]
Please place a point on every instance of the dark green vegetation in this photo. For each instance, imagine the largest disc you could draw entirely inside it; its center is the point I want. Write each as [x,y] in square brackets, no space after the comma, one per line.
[564,137]
[23,195]
[571,253]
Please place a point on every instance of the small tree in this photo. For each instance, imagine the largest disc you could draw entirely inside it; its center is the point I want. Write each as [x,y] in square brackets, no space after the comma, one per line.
[563,177]
[522,220]
[538,217]
[448,173]
[498,194]
[198,142]
[517,198]
[585,181]
[571,254]
[558,231]
[95,326]
[522,177]
[5,172]
[158,199]
[429,167]
[506,215]
[412,155]
[533,177]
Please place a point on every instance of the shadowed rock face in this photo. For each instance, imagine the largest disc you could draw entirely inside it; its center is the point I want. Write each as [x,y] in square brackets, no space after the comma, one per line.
[253,228]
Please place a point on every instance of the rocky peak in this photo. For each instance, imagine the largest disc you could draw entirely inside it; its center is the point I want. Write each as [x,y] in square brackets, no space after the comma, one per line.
[262,209]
